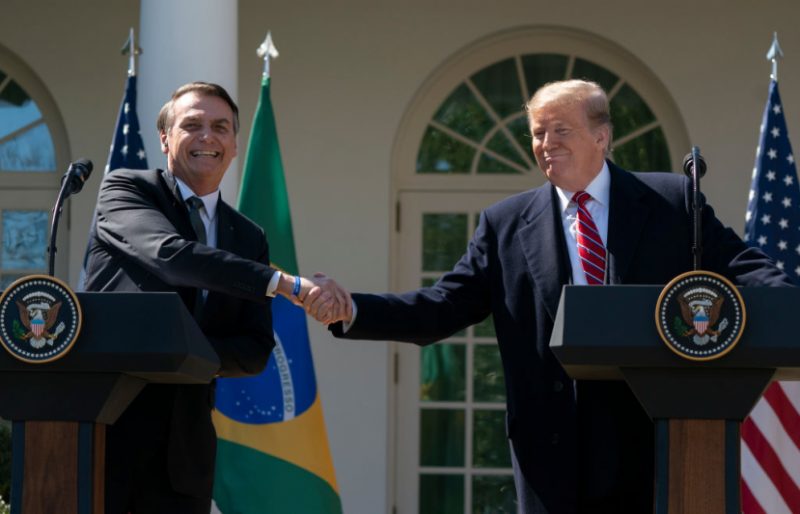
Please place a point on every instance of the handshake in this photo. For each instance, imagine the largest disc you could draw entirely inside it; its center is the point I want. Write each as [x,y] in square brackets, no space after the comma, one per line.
[320,296]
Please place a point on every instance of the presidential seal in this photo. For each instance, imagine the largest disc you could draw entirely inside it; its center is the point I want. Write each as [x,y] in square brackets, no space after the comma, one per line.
[40,319]
[700,315]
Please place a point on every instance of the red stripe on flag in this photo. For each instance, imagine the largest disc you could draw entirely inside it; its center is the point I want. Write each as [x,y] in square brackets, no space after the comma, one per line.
[784,409]
[749,503]
[769,461]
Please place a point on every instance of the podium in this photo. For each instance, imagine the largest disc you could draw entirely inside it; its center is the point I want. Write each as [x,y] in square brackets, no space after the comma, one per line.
[60,409]
[697,407]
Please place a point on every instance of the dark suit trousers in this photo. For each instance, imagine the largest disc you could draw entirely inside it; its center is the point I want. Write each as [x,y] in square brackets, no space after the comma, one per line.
[137,481]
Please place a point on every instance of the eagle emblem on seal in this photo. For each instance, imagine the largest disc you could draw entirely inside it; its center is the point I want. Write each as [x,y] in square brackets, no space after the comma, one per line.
[700,310]
[38,313]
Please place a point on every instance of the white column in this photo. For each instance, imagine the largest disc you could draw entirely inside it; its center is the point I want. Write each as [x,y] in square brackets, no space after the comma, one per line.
[184,41]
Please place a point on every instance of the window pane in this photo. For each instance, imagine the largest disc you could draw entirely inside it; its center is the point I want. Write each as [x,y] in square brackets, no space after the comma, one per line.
[499,84]
[543,68]
[32,150]
[440,153]
[444,240]
[491,165]
[647,152]
[488,383]
[462,113]
[442,372]
[493,495]
[24,239]
[441,494]
[441,437]
[489,443]
[16,109]
[584,69]
[500,144]
[519,127]
[8,279]
[628,111]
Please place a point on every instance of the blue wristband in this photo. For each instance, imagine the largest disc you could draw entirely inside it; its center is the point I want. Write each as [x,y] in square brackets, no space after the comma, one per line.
[296,290]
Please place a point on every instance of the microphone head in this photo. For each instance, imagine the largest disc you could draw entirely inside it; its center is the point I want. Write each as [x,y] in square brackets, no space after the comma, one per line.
[78,173]
[688,167]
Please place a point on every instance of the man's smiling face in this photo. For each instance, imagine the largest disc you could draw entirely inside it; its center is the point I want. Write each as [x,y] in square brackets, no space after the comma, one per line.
[201,142]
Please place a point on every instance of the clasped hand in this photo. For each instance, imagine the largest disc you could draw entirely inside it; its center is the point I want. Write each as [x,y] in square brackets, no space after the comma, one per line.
[324,299]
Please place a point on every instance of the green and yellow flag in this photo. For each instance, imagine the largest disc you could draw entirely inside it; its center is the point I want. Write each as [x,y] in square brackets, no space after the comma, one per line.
[272,454]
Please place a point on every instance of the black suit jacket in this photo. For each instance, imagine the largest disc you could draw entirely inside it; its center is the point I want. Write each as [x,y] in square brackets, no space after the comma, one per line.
[601,445]
[144,241]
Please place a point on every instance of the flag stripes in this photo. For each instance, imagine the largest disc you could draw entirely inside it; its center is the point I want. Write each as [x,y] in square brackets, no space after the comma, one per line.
[771,435]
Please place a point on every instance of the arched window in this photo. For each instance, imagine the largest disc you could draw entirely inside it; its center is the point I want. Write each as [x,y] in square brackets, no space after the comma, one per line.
[33,146]
[464,144]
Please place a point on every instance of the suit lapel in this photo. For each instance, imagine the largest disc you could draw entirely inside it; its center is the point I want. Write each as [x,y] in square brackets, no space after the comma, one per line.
[178,214]
[627,217]
[541,232]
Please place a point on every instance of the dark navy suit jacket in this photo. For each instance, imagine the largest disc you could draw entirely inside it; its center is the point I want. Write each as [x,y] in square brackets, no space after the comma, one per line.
[574,449]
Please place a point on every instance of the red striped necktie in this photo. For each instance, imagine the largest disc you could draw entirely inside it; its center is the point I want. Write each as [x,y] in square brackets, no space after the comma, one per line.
[590,244]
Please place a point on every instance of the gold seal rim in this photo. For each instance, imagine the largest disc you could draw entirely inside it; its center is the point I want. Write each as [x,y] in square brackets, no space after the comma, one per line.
[79,313]
[722,279]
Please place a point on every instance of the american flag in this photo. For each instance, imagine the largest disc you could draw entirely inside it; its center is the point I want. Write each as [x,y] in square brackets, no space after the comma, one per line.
[127,148]
[771,434]
[127,151]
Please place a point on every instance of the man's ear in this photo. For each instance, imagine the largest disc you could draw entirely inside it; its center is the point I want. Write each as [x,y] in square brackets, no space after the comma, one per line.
[164,147]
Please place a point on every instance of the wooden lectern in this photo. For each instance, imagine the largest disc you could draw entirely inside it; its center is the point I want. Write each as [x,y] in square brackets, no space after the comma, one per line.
[697,407]
[60,409]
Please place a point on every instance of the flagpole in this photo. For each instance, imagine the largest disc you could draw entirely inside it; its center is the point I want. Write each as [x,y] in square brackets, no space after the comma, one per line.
[773,54]
[131,50]
[267,51]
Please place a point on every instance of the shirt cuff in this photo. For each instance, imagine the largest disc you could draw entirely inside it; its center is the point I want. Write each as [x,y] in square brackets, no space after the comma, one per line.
[272,287]
[345,325]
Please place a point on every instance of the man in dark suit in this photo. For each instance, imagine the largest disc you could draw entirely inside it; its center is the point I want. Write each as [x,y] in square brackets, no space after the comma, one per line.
[585,446]
[170,231]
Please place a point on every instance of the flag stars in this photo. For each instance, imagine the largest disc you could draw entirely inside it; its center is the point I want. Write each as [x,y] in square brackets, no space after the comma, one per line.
[780,265]
[772,153]
[776,108]
[141,155]
[125,129]
[748,215]
[767,197]
[124,150]
[790,158]
[127,107]
[797,249]
[771,175]
[784,223]
[782,245]
[766,219]
[787,202]
[776,132]
[751,195]
[762,240]
[788,180]
[797,271]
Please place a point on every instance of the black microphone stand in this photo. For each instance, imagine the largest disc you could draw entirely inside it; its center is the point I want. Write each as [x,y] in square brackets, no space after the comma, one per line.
[697,209]
[57,208]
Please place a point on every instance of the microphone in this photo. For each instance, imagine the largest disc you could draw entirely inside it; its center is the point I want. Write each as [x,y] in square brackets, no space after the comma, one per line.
[72,182]
[688,164]
[76,176]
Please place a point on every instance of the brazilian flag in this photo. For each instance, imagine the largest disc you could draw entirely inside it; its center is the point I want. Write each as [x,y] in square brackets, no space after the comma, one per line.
[272,448]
